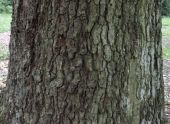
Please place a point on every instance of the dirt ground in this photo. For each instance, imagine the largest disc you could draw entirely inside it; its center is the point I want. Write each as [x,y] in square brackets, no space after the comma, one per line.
[3,73]
[5,38]
[166,76]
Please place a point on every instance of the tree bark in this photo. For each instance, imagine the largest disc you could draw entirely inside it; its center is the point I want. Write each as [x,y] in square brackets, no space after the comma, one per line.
[85,62]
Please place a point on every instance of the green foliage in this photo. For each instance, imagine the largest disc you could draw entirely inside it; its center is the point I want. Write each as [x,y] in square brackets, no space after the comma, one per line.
[166,8]
[5,6]
[5,21]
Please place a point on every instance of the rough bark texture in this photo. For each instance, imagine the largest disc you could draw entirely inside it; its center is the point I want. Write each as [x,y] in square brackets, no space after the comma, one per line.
[85,62]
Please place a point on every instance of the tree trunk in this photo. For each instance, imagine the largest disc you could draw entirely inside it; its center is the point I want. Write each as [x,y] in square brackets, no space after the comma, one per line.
[85,62]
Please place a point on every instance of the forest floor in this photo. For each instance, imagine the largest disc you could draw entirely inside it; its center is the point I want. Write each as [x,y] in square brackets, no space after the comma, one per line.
[4,44]
[5,37]
[166,76]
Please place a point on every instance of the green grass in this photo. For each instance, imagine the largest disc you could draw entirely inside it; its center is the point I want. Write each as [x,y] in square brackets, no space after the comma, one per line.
[166,33]
[166,21]
[166,26]
[166,53]
[5,22]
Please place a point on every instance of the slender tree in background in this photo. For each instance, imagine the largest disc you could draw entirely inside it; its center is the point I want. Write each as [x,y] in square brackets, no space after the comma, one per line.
[85,62]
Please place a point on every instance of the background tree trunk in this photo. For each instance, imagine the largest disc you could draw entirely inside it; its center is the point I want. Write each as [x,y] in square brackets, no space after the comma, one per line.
[85,62]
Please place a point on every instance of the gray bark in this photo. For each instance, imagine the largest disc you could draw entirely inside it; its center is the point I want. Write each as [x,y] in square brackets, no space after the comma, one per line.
[85,62]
